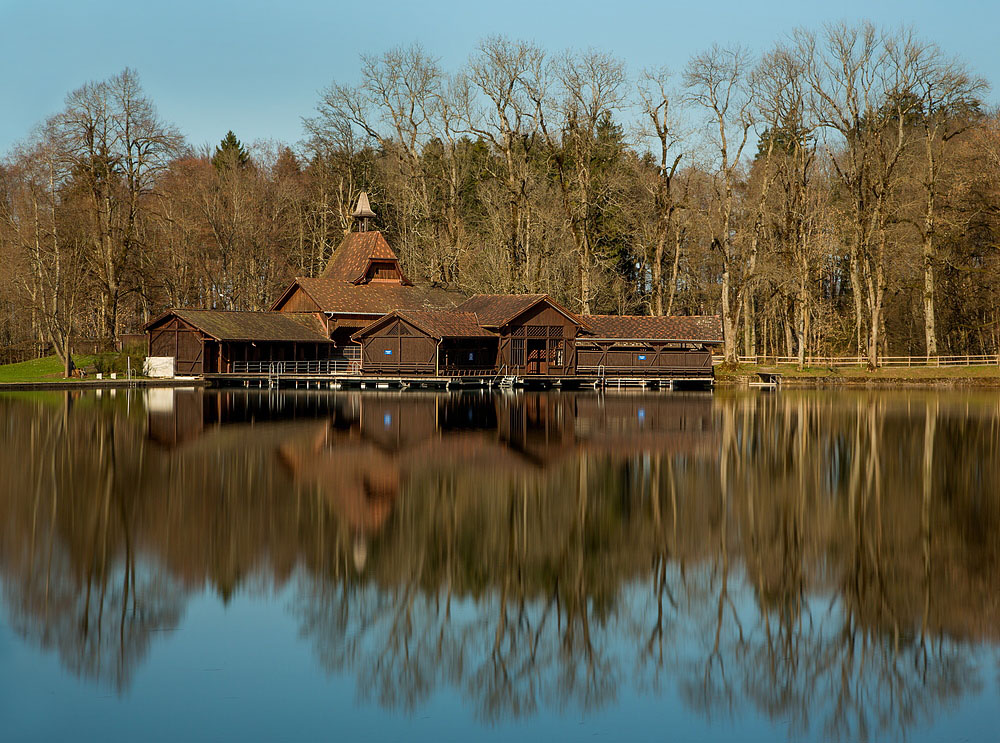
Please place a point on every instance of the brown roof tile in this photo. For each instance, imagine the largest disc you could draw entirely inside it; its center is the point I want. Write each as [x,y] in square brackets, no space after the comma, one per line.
[437,324]
[448,324]
[351,258]
[701,328]
[257,326]
[496,310]
[343,297]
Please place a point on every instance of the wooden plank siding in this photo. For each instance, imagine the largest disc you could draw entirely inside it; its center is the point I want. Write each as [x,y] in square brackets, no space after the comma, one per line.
[182,341]
[652,359]
[299,301]
[442,343]
[540,341]
[399,348]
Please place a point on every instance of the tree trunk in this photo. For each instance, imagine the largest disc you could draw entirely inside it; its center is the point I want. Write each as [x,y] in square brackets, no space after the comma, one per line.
[674,271]
[801,321]
[728,326]
[930,331]
[873,335]
[657,269]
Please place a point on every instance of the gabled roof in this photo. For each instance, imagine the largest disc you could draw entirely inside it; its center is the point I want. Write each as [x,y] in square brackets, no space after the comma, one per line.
[355,254]
[698,328]
[376,299]
[224,325]
[496,310]
[437,324]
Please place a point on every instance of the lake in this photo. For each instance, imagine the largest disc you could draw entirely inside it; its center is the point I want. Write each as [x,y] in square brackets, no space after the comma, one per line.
[203,564]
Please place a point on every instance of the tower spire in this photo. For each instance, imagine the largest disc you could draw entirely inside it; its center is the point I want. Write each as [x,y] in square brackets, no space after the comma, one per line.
[363,211]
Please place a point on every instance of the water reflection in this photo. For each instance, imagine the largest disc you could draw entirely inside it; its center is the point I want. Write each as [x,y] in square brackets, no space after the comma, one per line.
[829,562]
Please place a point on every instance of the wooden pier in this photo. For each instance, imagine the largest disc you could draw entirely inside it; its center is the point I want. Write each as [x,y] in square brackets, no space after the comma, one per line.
[350,379]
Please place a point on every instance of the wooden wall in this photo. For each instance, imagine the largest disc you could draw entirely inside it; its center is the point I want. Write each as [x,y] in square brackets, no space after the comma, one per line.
[399,348]
[299,301]
[182,341]
[655,359]
[540,341]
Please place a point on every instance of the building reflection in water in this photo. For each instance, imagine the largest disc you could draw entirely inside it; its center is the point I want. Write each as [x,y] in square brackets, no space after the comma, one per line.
[827,560]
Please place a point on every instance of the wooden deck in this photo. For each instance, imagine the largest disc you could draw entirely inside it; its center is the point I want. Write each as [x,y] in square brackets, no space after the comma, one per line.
[354,380]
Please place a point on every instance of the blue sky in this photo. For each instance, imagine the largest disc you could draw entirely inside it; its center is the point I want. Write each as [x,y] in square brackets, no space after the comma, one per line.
[256,67]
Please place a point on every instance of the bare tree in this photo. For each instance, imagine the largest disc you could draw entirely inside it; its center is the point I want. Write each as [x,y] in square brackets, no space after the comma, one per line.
[718,81]
[395,106]
[862,82]
[789,144]
[31,219]
[503,72]
[591,89]
[111,138]
[661,125]
[948,96]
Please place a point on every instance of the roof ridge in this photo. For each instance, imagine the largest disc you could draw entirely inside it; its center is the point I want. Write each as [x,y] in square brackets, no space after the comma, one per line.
[212,309]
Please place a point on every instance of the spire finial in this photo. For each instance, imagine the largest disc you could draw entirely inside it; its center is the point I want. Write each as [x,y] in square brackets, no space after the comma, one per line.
[363,211]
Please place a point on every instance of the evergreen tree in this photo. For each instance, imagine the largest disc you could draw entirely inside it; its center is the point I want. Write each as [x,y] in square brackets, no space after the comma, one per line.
[230,153]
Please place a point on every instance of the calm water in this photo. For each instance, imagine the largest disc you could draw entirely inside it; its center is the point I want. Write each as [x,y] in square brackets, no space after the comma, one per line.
[186,565]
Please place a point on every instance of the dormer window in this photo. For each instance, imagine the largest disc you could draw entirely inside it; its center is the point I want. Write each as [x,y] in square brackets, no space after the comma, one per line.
[382,271]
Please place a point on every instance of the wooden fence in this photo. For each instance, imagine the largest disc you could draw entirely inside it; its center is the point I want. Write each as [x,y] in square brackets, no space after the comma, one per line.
[24,352]
[29,350]
[884,361]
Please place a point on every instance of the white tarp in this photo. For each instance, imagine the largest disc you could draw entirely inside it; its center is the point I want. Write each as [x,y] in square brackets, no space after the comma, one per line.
[160,367]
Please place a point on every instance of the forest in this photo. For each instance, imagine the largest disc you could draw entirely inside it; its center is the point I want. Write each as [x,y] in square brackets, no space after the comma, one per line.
[836,194]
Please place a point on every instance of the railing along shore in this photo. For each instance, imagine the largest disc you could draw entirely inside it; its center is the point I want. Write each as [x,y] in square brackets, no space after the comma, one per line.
[884,361]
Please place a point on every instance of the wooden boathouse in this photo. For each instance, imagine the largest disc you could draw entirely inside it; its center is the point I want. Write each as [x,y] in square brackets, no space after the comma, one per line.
[427,343]
[535,335]
[215,342]
[363,320]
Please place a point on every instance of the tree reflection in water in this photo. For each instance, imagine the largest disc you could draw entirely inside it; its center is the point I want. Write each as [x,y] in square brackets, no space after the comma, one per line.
[829,561]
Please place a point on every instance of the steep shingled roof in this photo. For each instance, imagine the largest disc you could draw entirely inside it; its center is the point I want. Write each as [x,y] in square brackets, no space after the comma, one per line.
[341,297]
[350,260]
[437,324]
[700,328]
[496,310]
[226,325]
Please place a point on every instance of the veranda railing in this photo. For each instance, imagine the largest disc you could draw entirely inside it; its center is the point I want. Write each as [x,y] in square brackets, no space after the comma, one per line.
[325,367]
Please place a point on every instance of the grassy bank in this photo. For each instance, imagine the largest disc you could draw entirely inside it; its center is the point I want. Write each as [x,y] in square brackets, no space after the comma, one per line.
[48,369]
[847,375]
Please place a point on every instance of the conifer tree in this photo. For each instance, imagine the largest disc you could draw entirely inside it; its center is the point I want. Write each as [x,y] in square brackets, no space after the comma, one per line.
[230,153]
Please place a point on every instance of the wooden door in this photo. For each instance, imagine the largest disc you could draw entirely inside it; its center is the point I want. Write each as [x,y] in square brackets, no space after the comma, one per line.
[537,361]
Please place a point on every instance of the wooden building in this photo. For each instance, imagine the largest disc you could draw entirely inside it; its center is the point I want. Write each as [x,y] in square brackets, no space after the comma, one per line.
[535,334]
[641,346]
[362,282]
[209,341]
[364,307]
[441,343]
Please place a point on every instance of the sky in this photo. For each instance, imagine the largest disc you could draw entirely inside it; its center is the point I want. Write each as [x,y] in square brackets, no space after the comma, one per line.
[258,67]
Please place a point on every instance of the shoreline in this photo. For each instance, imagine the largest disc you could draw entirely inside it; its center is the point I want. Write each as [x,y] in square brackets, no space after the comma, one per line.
[887,383]
[728,383]
[101,384]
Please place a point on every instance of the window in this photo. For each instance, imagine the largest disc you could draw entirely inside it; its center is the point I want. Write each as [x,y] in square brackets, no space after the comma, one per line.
[555,353]
[517,352]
